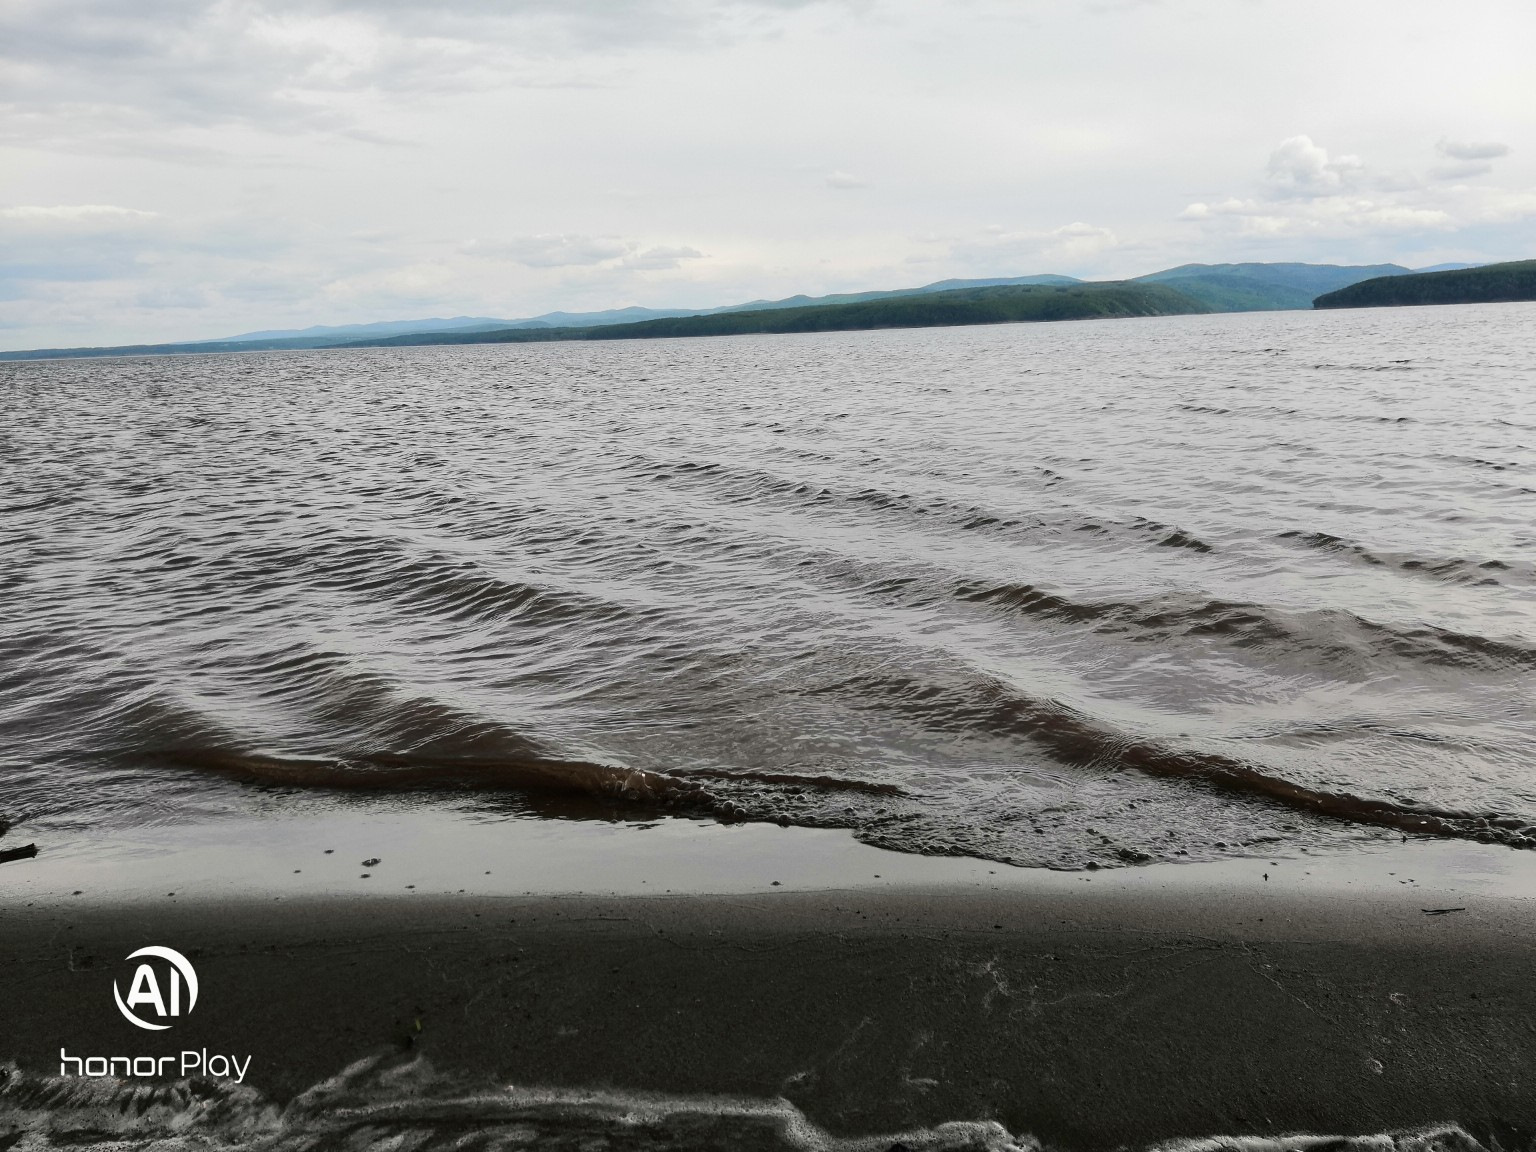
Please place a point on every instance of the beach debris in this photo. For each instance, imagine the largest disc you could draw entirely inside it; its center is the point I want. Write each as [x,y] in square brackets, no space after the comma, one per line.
[25,852]
[370,862]
[1441,911]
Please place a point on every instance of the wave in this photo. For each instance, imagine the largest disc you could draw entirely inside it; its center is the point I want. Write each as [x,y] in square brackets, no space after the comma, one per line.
[1339,636]
[735,484]
[1077,740]
[389,772]
[382,771]
[1451,569]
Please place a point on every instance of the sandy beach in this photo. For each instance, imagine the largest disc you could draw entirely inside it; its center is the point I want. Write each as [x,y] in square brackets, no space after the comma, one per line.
[1125,1008]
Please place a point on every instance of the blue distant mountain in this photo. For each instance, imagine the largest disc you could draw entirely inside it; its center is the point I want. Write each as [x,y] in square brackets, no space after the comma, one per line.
[1265,287]
[363,331]
[595,319]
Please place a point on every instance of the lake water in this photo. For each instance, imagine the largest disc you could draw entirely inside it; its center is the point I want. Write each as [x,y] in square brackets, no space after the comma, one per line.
[1071,595]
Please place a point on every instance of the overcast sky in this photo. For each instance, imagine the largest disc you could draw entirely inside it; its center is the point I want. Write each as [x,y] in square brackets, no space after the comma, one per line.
[195,168]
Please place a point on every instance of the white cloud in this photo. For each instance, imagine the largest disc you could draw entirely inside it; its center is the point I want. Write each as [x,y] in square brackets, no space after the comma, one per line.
[996,251]
[1301,168]
[104,76]
[1466,170]
[75,242]
[1308,195]
[1472,150]
[573,251]
[558,251]
[1077,241]
[660,259]
[840,179]
[1320,216]
[73,214]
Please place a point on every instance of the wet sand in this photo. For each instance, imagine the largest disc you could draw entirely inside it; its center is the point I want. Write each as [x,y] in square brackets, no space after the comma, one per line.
[1122,1009]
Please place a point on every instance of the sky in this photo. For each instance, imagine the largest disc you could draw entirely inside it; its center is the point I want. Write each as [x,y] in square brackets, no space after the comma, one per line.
[189,169]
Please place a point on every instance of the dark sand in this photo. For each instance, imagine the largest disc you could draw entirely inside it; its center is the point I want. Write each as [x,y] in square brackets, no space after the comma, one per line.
[1090,1018]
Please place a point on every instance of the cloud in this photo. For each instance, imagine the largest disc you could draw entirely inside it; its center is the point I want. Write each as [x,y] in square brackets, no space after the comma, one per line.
[1320,216]
[660,259]
[571,251]
[75,242]
[66,267]
[997,251]
[73,214]
[1308,194]
[555,251]
[1301,168]
[103,76]
[1471,150]
[1463,171]
[840,179]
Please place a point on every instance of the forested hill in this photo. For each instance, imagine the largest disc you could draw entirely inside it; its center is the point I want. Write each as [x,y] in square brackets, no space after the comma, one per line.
[998,305]
[1490,284]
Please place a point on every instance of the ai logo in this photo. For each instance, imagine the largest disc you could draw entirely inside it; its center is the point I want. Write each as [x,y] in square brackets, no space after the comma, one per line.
[150,992]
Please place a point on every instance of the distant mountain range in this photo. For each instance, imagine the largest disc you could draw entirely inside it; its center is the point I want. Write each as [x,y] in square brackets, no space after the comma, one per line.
[990,304]
[1204,287]
[1265,287]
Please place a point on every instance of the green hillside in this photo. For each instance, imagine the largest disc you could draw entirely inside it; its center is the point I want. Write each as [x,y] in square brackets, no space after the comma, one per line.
[1490,284]
[996,305]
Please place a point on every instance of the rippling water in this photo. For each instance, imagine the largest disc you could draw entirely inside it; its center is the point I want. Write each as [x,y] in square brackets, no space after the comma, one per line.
[1056,594]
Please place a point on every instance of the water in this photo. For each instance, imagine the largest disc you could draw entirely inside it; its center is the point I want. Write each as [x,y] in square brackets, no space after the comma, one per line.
[1070,595]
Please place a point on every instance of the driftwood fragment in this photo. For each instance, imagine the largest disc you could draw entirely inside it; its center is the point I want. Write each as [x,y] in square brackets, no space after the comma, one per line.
[25,852]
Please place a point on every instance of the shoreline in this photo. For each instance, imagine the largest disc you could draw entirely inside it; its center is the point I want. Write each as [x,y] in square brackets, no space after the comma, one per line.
[371,850]
[1125,1008]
